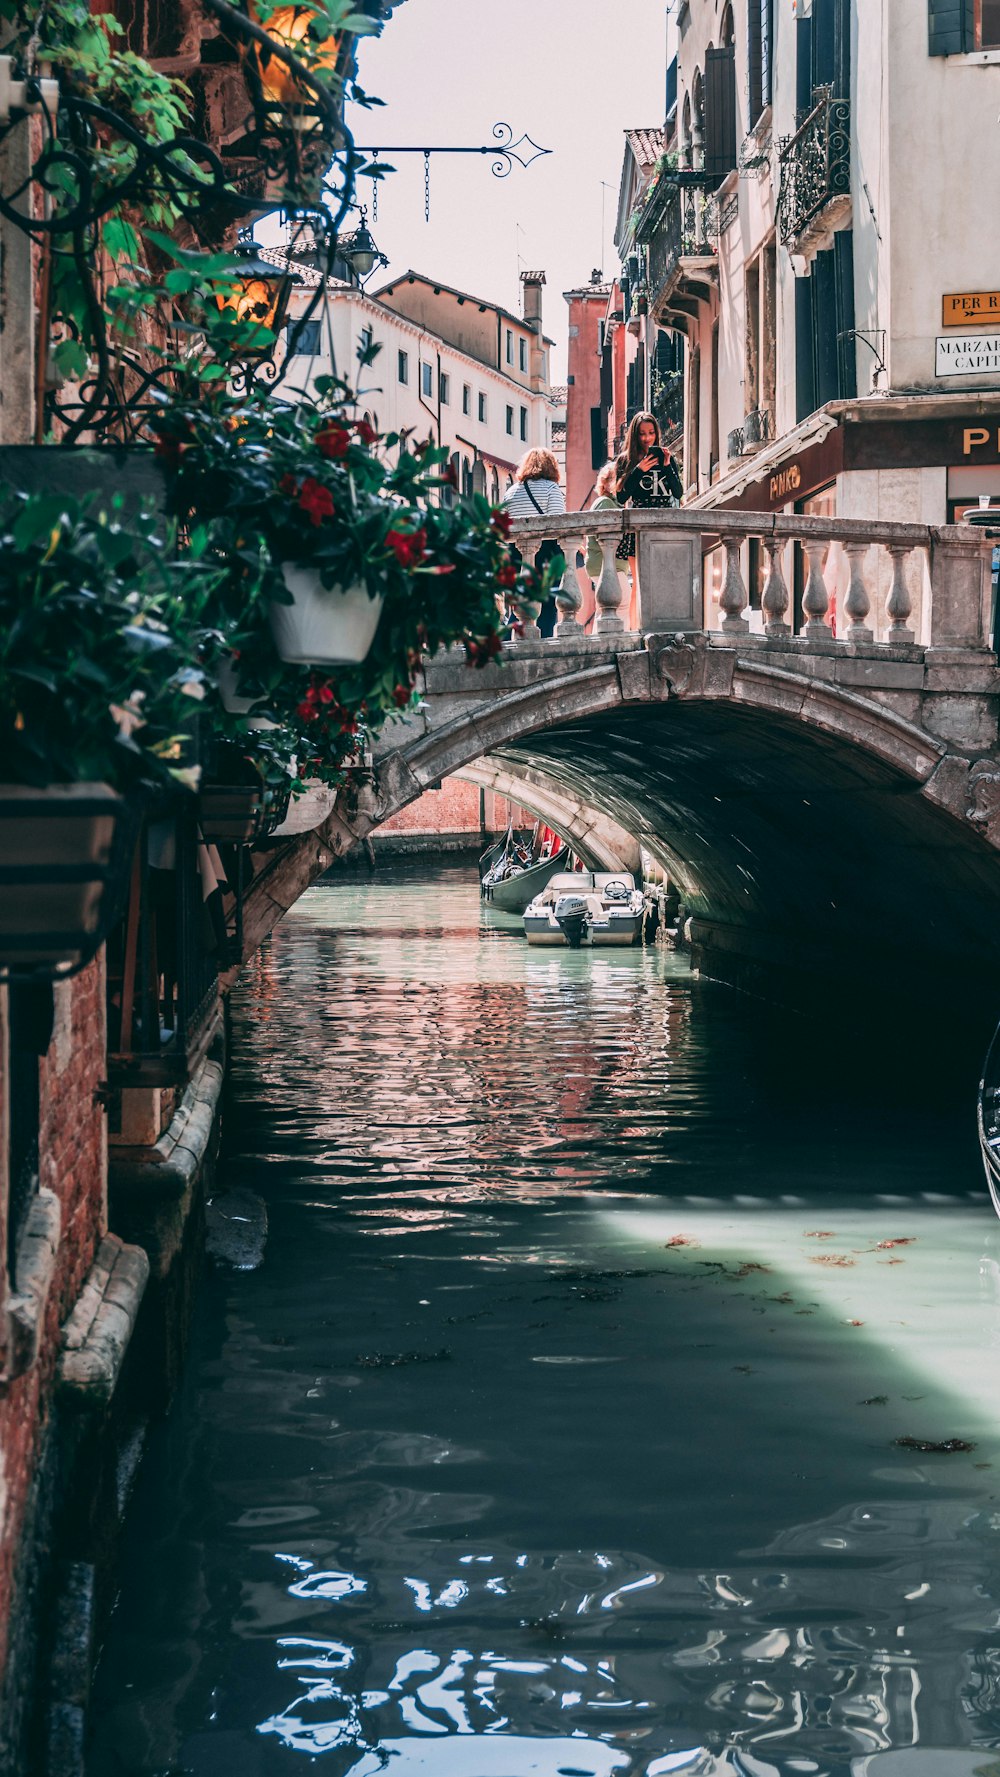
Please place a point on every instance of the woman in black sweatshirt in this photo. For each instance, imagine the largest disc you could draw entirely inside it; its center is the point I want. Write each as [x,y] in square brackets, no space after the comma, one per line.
[646,476]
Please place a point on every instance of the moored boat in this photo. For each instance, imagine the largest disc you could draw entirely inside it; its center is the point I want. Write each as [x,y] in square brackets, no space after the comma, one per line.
[988,1117]
[510,884]
[583,908]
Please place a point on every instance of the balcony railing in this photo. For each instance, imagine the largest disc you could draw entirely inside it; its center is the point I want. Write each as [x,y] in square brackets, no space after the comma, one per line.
[755,431]
[815,165]
[688,230]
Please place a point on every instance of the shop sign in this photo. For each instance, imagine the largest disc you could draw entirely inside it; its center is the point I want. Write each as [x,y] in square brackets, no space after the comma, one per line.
[965,354]
[971,308]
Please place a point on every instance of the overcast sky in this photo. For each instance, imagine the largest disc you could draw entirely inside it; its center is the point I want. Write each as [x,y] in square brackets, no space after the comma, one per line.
[573,73]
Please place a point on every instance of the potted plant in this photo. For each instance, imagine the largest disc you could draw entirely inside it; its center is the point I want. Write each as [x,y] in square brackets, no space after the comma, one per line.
[96,689]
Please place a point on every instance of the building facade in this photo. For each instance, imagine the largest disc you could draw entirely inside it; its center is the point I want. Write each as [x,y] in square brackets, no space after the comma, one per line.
[450,366]
[816,242]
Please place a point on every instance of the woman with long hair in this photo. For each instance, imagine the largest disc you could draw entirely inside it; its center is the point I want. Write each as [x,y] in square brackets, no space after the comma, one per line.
[536,491]
[646,476]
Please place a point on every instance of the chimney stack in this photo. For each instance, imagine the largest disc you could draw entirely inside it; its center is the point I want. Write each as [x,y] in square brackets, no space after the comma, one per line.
[531,298]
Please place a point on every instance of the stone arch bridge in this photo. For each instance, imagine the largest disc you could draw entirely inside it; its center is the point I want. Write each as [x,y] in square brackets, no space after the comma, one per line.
[828,804]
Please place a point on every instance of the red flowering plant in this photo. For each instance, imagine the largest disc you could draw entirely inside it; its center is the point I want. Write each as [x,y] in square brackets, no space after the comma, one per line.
[262,487]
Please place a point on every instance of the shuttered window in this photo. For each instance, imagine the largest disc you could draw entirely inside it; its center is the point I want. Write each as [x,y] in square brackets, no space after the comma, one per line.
[950,27]
[720,111]
[760,25]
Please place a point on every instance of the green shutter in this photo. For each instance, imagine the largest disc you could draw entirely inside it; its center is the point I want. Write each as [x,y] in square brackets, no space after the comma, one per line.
[950,27]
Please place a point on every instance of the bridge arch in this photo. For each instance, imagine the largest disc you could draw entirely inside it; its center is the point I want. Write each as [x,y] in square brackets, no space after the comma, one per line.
[818,836]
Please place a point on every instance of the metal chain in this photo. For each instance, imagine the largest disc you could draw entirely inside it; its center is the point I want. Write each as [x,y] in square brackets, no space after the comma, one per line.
[427,186]
[375,197]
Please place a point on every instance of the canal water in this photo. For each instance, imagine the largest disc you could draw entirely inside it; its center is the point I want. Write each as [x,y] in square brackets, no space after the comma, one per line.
[559,1383]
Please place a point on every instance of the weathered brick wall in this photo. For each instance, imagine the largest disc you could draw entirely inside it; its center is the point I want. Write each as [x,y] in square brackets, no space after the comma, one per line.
[73,1146]
[453,809]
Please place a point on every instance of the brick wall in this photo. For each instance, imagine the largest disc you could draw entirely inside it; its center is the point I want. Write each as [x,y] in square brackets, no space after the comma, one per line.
[73,1165]
[454,810]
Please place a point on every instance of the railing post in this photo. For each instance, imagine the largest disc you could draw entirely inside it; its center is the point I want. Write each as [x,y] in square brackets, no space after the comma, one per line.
[899,604]
[608,592]
[733,596]
[857,603]
[774,598]
[568,596]
[960,591]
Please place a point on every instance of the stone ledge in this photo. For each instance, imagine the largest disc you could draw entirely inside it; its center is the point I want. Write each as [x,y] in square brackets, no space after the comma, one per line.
[97,1333]
[36,1263]
[169,1167]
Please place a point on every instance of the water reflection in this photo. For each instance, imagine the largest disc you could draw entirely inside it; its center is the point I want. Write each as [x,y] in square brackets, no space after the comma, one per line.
[557,1432]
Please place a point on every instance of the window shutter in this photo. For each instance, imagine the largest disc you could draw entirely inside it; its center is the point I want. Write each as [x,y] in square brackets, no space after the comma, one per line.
[950,27]
[766,40]
[720,111]
[597,441]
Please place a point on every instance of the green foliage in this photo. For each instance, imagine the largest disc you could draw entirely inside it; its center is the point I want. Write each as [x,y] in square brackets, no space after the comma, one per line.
[100,676]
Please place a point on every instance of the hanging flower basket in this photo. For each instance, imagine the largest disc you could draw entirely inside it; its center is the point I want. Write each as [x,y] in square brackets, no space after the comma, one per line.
[307,811]
[323,626]
[235,805]
[66,851]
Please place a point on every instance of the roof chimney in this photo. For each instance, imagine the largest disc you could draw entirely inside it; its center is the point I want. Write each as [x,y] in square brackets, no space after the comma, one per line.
[531,298]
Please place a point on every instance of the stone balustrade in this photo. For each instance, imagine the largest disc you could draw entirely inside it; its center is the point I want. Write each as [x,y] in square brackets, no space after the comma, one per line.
[819,583]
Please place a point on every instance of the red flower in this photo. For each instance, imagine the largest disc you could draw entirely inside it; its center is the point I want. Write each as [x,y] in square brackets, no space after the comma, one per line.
[324,694]
[365,432]
[449,475]
[169,449]
[501,522]
[288,485]
[333,441]
[481,650]
[315,500]
[401,696]
[507,574]
[409,547]
[307,712]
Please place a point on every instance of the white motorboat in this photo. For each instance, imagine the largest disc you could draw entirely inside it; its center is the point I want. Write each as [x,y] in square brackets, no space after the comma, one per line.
[586,907]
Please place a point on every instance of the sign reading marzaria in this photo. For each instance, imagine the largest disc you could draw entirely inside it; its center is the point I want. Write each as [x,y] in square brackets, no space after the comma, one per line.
[963,354]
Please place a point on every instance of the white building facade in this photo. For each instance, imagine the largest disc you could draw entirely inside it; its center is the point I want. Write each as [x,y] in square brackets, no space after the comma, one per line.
[481,392]
[821,240]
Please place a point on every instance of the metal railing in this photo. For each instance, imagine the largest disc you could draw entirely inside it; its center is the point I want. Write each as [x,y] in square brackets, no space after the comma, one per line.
[688,229]
[829,582]
[755,431]
[815,165]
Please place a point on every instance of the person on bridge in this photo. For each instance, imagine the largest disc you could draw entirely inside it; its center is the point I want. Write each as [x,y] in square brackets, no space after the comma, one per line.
[647,476]
[535,491]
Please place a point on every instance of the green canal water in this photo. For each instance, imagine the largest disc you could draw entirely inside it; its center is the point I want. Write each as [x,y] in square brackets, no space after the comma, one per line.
[555,1432]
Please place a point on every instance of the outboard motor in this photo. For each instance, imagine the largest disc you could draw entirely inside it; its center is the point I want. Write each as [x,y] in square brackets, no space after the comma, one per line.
[572,916]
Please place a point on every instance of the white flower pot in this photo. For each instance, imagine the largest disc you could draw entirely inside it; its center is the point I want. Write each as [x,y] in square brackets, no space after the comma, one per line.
[307,811]
[227,679]
[324,626]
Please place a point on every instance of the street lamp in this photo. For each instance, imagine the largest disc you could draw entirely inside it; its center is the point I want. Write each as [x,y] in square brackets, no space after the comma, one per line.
[360,250]
[259,291]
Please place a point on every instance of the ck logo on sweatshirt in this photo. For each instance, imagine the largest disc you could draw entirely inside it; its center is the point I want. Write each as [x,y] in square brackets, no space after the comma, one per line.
[655,484]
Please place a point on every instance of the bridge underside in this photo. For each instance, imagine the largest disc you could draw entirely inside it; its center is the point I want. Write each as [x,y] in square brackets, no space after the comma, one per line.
[808,867]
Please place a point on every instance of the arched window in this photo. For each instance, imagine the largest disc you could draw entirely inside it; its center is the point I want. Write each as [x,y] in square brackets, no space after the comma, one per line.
[727,33]
[686,131]
[494,489]
[466,478]
[697,119]
[479,477]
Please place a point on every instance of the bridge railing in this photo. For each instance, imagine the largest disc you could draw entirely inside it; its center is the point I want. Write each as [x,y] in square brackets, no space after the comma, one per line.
[825,582]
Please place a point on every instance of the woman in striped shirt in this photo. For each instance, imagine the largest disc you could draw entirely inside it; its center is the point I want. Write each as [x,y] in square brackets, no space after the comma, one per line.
[535,492]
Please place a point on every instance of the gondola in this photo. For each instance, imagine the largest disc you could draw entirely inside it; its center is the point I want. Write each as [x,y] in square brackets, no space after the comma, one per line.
[511,893]
[989,1119]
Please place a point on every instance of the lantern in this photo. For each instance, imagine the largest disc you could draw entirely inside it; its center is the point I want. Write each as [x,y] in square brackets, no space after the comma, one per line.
[259,291]
[289,26]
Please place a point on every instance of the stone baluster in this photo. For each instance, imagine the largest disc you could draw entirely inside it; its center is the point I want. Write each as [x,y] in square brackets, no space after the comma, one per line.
[857,603]
[733,595]
[527,615]
[774,600]
[608,591]
[567,593]
[815,596]
[899,604]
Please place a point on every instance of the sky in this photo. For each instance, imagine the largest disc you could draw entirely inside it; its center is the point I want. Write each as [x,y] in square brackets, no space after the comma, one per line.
[573,74]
